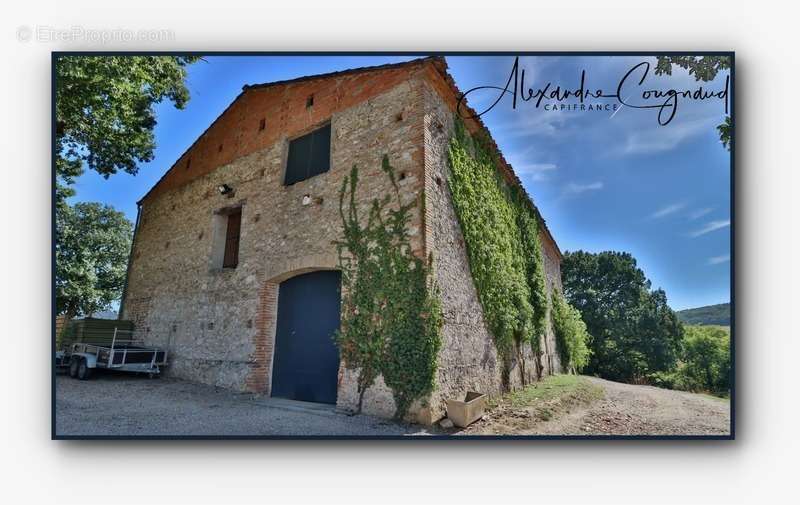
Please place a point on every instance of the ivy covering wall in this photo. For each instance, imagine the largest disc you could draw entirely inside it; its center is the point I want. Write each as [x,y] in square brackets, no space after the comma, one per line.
[391,310]
[501,231]
[534,262]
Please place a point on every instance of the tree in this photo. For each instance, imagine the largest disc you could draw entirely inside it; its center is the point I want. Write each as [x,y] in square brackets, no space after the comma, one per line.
[104,111]
[704,68]
[91,256]
[104,120]
[633,331]
[706,359]
[659,332]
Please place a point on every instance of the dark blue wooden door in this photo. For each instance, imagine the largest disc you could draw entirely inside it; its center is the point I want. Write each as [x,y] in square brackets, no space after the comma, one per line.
[306,362]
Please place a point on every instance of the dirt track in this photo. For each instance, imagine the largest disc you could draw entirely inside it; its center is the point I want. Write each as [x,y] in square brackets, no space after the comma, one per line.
[625,409]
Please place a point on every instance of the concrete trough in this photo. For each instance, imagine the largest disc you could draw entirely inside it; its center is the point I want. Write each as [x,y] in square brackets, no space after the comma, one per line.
[467,411]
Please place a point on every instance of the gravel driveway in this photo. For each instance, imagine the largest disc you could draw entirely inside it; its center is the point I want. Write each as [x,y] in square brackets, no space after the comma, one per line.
[628,409]
[645,410]
[125,405]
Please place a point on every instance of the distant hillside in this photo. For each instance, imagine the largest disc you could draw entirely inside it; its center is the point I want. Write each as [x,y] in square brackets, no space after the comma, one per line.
[719,314]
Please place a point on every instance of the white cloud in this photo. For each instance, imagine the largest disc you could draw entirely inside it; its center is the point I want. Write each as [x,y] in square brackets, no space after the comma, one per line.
[574,188]
[533,168]
[666,211]
[709,227]
[655,138]
[716,260]
[536,171]
[525,163]
[697,214]
[530,121]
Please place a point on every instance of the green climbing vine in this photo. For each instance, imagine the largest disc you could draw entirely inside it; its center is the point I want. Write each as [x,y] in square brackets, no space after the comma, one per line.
[534,262]
[391,313]
[501,231]
[572,338]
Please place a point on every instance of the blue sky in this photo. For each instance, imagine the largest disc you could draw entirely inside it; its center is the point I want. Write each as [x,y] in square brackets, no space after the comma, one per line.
[602,180]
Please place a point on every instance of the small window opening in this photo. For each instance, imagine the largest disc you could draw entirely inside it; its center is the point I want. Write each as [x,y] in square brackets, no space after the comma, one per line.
[262,124]
[309,101]
[233,228]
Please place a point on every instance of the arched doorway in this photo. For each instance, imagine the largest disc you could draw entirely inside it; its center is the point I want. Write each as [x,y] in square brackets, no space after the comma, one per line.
[306,360]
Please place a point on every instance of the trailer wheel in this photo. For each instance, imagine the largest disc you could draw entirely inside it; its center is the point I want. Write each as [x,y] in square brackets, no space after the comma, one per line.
[84,372]
[73,367]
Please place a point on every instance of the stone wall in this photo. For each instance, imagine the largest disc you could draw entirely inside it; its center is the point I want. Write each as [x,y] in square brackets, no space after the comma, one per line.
[551,361]
[468,360]
[219,324]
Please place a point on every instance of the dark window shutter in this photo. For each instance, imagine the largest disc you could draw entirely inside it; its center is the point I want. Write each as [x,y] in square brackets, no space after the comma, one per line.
[231,258]
[299,159]
[309,155]
[320,151]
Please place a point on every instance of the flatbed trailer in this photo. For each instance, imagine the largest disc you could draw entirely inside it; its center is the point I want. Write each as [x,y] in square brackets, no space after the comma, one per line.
[122,354]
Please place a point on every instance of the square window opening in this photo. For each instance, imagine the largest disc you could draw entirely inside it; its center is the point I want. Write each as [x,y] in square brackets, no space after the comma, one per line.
[309,155]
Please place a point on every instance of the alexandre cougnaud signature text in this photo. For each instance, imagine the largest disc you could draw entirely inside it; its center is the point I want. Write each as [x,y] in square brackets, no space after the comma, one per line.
[632,91]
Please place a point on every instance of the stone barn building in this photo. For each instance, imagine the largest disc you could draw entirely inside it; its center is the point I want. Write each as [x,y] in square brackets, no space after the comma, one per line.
[233,269]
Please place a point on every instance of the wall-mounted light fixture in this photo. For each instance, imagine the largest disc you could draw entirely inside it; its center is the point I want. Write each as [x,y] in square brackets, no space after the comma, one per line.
[224,189]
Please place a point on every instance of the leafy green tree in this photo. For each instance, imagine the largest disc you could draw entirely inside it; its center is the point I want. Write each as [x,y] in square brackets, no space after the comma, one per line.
[571,334]
[658,331]
[104,111]
[706,359]
[703,68]
[634,332]
[725,132]
[91,254]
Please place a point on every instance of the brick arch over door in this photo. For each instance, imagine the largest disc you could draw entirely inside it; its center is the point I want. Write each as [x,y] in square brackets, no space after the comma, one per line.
[258,381]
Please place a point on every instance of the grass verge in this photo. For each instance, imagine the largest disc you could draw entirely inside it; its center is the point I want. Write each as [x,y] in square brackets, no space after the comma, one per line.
[548,397]
[554,386]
